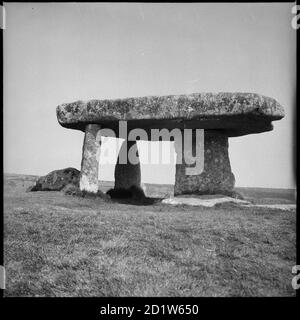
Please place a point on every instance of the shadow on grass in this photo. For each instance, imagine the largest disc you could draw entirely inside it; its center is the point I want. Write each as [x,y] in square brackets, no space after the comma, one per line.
[137,202]
[133,195]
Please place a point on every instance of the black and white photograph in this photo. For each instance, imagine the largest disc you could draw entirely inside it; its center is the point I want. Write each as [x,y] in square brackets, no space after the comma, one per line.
[149,150]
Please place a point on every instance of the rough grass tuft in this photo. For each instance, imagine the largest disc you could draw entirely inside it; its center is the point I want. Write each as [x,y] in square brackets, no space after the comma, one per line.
[74,190]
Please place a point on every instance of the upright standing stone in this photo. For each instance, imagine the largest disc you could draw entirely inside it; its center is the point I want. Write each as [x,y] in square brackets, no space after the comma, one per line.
[216,176]
[90,159]
[127,174]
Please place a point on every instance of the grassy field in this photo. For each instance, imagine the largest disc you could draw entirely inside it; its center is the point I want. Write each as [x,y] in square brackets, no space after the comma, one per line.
[60,245]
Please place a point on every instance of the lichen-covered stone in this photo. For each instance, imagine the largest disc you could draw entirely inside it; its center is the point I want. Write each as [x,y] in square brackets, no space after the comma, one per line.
[90,159]
[127,174]
[57,180]
[237,113]
[216,176]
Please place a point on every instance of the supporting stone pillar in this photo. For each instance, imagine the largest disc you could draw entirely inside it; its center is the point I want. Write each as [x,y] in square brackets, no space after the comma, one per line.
[90,159]
[216,176]
[128,174]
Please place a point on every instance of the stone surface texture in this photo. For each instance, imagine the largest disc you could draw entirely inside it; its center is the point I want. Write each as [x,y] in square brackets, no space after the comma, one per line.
[192,201]
[216,176]
[90,159]
[127,175]
[57,180]
[237,113]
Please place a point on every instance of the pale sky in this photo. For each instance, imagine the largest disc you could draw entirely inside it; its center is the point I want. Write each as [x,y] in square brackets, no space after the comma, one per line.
[62,52]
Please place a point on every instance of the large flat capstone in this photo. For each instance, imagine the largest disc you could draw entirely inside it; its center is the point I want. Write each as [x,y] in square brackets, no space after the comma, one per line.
[231,114]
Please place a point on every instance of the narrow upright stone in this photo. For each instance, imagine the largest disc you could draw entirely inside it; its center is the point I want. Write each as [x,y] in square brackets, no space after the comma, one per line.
[90,159]
[216,176]
[127,174]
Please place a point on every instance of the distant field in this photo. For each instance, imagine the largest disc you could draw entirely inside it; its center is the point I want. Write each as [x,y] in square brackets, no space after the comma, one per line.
[59,245]
[166,190]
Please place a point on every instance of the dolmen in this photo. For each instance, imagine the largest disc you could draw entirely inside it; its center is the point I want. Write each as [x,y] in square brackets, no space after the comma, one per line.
[199,124]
